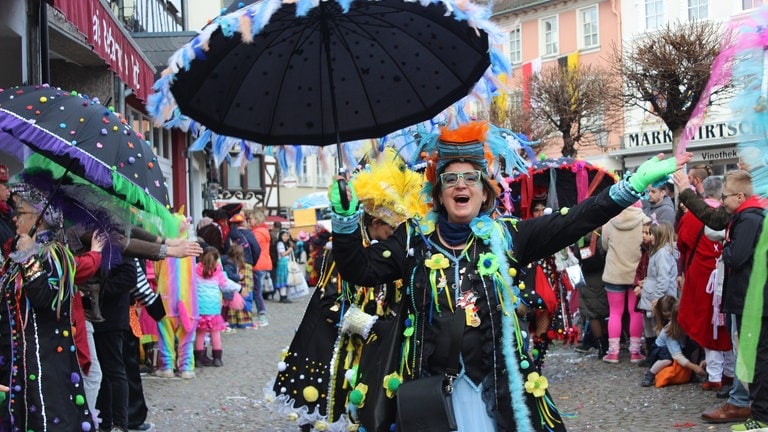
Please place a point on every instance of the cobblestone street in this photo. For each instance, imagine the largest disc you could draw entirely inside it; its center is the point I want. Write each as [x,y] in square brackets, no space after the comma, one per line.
[593,395]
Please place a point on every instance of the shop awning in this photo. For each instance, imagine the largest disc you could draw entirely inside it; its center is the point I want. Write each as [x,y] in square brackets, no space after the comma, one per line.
[111,42]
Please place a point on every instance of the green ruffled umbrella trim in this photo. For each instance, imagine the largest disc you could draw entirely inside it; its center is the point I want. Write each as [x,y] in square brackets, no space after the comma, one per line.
[144,209]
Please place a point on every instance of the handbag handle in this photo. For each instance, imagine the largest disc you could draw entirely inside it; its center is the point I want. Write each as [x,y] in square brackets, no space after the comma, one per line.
[456,329]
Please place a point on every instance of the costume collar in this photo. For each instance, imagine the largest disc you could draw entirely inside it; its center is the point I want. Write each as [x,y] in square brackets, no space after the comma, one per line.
[752,202]
[455,234]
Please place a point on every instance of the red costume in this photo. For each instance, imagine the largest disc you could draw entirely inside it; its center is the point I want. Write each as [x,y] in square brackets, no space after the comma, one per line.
[86,266]
[696,309]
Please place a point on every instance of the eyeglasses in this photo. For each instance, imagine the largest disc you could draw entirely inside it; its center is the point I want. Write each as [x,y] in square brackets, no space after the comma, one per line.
[451,179]
[724,196]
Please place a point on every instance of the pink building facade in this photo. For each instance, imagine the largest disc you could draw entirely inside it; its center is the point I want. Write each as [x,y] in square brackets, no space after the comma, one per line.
[545,33]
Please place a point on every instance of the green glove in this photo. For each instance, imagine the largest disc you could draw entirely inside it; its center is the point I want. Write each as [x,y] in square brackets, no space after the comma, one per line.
[651,170]
[334,196]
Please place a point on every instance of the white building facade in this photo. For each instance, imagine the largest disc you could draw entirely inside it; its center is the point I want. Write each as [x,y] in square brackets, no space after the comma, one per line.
[645,135]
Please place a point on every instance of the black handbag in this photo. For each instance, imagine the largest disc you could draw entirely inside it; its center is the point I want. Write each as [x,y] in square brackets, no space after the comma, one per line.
[425,404]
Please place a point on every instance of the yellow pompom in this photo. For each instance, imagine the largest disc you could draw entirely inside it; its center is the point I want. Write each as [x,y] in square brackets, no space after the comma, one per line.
[564,211]
[512,271]
[521,285]
[310,394]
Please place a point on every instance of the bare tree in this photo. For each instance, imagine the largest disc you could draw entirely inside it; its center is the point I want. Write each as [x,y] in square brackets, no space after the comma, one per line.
[666,71]
[571,101]
[567,101]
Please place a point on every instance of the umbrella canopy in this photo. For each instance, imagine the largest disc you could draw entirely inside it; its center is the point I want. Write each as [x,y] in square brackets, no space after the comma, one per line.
[319,72]
[313,200]
[573,180]
[64,131]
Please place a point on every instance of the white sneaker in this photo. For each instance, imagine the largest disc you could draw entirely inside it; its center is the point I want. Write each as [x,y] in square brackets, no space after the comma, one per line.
[164,373]
[262,320]
[188,374]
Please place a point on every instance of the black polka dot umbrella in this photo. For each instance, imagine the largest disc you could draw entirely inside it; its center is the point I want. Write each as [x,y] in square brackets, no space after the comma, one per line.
[324,72]
[70,134]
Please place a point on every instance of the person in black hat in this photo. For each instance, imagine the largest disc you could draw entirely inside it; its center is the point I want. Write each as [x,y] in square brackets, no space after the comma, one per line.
[458,265]
[36,323]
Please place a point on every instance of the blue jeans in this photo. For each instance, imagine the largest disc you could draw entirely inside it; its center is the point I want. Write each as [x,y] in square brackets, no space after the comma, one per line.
[258,277]
[739,395]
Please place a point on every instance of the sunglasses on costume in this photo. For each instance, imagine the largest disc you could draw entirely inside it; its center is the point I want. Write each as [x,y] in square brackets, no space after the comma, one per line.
[450,179]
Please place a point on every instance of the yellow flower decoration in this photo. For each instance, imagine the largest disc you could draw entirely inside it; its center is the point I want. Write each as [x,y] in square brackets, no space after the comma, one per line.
[283,354]
[353,427]
[391,383]
[321,425]
[292,416]
[427,226]
[536,384]
[357,396]
[437,262]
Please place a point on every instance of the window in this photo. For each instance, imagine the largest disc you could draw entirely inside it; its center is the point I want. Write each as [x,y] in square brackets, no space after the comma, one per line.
[252,177]
[322,175]
[234,178]
[304,177]
[588,26]
[654,14]
[161,142]
[550,35]
[751,4]
[698,10]
[254,173]
[516,100]
[159,138]
[515,46]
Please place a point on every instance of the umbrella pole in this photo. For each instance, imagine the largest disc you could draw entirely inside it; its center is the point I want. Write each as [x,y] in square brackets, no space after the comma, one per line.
[334,108]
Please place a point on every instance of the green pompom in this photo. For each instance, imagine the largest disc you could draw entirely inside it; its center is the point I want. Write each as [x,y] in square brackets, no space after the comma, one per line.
[79,400]
[393,384]
[356,397]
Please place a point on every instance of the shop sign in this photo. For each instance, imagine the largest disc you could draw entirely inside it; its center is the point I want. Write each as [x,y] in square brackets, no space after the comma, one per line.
[111,42]
[706,132]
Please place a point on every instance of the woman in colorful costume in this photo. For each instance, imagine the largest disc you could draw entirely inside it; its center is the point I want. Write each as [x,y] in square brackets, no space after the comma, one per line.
[457,261]
[37,348]
[317,376]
